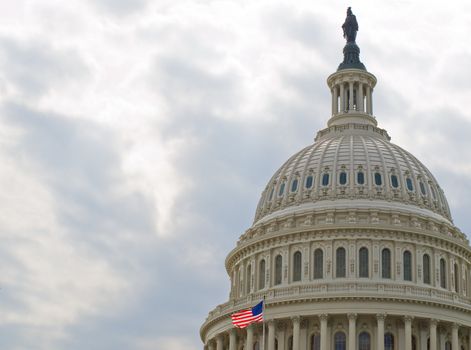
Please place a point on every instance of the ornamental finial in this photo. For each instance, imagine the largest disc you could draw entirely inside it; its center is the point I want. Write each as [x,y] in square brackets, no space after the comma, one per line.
[350,27]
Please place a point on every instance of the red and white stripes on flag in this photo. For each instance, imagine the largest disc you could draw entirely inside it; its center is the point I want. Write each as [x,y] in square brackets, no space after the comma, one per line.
[245,317]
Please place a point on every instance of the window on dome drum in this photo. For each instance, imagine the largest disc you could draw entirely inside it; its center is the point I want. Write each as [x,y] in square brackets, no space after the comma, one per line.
[297,266]
[340,261]
[276,344]
[457,279]
[256,346]
[407,257]
[271,194]
[448,345]
[318,263]
[378,179]
[343,178]
[282,189]
[422,188]
[364,341]
[394,181]
[426,267]
[361,178]
[309,181]
[388,341]
[442,273]
[386,263]
[414,343]
[261,274]
[294,185]
[249,278]
[364,268]
[278,269]
[340,341]
[434,194]
[325,180]
[316,342]
[409,184]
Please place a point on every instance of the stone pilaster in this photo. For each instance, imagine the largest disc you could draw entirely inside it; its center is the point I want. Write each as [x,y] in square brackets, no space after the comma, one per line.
[352,331]
[433,334]
[296,325]
[323,319]
[380,331]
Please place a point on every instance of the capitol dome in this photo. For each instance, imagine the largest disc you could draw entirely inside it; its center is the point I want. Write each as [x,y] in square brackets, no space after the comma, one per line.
[352,246]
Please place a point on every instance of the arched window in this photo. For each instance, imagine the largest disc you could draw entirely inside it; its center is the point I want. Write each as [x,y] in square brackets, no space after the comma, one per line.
[378,179]
[364,266]
[394,181]
[388,341]
[457,279]
[256,346]
[340,261]
[325,179]
[407,257]
[361,178]
[364,342]
[343,178]
[409,184]
[414,343]
[297,266]
[426,267]
[442,273]
[340,341]
[276,344]
[422,188]
[316,342]
[282,189]
[278,269]
[294,185]
[261,274]
[309,181]
[386,263]
[249,277]
[448,345]
[318,263]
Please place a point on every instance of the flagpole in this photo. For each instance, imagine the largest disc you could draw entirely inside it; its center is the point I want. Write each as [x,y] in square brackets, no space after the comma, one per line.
[263,311]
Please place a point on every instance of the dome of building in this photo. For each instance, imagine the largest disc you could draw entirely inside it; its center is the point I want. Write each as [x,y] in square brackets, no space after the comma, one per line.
[352,247]
[350,163]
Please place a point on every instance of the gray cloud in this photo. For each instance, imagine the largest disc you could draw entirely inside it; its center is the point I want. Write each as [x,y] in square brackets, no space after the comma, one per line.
[33,67]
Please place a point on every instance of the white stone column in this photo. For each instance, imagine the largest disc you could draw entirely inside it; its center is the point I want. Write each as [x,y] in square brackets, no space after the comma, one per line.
[249,339]
[323,319]
[433,334]
[220,342]
[336,100]
[296,325]
[233,339]
[350,100]
[370,100]
[271,335]
[455,344]
[342,97]
[281,332]
[360,106]
[352,331]
[407,332]
[380,331]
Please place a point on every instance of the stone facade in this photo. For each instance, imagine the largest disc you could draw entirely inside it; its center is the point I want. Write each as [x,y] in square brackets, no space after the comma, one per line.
[352,247]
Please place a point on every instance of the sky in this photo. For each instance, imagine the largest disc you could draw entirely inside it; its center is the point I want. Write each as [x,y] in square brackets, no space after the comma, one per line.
[136,137]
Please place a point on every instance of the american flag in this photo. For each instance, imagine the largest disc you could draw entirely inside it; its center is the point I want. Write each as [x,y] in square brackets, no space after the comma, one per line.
[245,317]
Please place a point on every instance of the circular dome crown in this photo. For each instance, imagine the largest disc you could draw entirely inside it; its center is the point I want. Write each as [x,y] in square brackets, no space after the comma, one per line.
[352,162]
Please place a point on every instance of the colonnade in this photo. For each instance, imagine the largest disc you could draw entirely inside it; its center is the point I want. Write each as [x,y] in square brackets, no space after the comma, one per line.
[276,337]
[350,96]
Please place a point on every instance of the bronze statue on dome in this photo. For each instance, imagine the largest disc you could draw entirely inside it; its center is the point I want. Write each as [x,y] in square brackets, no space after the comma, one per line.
[350,27]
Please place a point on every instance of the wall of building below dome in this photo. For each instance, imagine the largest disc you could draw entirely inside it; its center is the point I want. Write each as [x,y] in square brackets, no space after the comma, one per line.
[279,268]
[351,318]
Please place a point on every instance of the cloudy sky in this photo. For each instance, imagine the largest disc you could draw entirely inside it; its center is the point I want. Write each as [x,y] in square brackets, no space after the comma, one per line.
[136,137]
